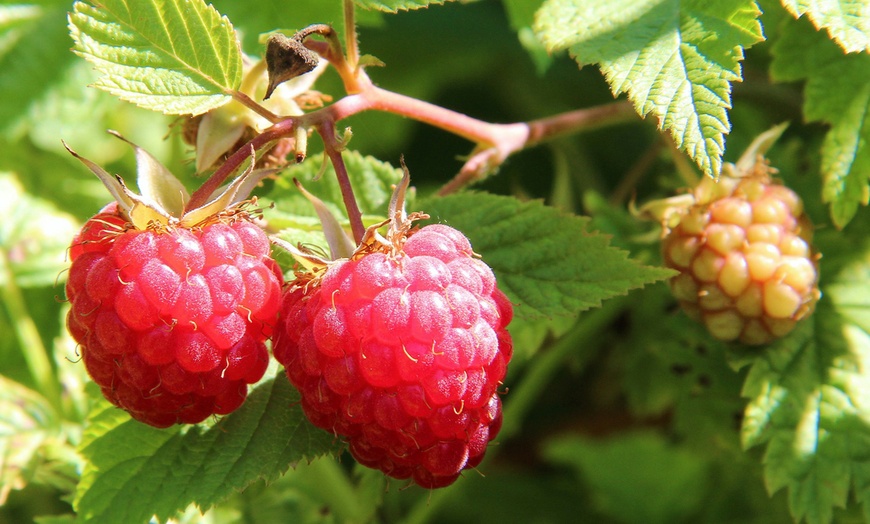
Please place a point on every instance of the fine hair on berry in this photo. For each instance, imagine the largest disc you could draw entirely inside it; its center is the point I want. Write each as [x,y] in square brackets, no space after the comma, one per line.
[171,321]
[401,352]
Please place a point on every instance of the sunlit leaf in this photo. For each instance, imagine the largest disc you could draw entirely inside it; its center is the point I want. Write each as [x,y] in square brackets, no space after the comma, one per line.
[847,21]
[675,59]
[546,261]
[177,57]
[837,92]
[808,396]
[134,471]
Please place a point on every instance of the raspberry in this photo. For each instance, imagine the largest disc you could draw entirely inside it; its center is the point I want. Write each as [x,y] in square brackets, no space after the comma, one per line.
[400,351]
[172,321]
[747,270]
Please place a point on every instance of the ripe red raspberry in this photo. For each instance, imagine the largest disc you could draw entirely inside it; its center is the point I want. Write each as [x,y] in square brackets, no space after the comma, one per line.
[747,270]
[401,351]
[171,321]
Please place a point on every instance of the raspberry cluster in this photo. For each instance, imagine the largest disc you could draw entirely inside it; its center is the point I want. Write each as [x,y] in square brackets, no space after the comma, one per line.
[402,353]
[746,267]
[172,323]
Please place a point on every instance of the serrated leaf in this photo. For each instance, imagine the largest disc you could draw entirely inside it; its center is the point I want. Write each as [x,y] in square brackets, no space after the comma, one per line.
[665,357]
[846,158]
[675,59]
[134,471]
[545,260]
[394,6]
[837,92]
[809,397]
[847,21]
[177,57]
[34,236]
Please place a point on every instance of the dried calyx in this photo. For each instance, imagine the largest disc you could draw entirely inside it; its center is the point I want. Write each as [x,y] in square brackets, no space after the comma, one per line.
[399,223]
[163,201]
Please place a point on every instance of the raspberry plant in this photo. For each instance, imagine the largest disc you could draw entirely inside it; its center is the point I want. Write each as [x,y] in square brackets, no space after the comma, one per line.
[585,391]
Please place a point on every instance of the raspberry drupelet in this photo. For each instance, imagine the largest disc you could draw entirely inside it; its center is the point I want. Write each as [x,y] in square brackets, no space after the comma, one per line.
[747,269]
[172,303]
[401,351]
[172,324]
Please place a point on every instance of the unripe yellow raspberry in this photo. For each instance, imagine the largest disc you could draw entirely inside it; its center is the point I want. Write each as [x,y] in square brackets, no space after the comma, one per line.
[747,270]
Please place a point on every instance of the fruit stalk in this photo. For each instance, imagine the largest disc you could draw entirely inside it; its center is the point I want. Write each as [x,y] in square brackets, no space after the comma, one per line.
[495,142]
[351,41]
[282,129]
[333,150]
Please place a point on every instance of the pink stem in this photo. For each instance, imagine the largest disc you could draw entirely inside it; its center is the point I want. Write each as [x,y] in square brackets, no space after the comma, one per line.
[333,150]
[200,196]
[496,141]
[579,119]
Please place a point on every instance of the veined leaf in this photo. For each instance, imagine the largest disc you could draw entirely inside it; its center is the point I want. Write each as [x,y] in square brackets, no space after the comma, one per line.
[174,56]
[372,180]
[675,59]
[545,261]
[134,471]
[393,6]
[847,21]
[809,396]
[837,92]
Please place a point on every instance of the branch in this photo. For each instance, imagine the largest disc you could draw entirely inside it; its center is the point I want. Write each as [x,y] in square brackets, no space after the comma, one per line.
[241,155]
[495,142]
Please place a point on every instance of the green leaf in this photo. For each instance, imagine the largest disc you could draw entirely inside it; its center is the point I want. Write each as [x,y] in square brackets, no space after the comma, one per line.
[808,396]
[171,56]
[34,236]
[521,14]
[545,260]
[666,358]
[636,477]
[847,21]
[837,92]
[676,59]
[134,471]
[393,6]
